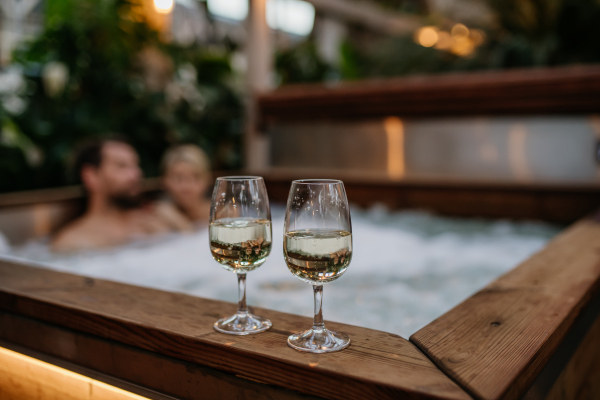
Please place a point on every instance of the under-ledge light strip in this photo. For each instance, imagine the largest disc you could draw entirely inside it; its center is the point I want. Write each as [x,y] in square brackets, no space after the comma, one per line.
[26,378]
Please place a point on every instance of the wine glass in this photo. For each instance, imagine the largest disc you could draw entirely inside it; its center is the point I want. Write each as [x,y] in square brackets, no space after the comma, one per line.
[317,247]
[240,240]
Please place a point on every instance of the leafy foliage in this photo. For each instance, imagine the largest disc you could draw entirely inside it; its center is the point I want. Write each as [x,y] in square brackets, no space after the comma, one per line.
[302,63]
[119,77]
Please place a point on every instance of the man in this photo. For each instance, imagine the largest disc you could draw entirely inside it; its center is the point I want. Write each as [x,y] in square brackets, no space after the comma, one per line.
[110,173]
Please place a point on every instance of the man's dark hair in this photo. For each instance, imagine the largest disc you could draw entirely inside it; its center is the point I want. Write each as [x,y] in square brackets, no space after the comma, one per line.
[90,153]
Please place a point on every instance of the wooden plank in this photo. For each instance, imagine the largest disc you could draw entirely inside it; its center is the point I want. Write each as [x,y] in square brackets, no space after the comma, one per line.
[580,380]
[377,364]
[139,371]
[563,90]
[495,343]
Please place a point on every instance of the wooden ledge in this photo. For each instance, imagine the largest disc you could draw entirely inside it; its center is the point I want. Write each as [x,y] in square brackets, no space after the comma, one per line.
[377,365]
[495,343]
[563,90]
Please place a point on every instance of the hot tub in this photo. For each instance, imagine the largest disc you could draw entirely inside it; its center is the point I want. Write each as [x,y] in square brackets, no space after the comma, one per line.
[531,333]
[411,263]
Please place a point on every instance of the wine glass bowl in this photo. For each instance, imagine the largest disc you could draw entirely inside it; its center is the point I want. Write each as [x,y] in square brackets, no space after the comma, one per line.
[231,246]
[317,248]
[240,240]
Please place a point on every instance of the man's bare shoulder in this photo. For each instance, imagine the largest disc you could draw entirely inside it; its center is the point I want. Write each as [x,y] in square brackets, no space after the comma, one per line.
[78,235]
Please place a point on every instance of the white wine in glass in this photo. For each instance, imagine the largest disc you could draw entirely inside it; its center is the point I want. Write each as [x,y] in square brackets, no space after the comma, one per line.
[318,256]
[317,247]
[240,245]
[240,240]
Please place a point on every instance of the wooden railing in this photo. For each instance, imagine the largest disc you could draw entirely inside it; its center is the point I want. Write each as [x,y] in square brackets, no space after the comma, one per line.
[496,343]
[565,90]
[166,342]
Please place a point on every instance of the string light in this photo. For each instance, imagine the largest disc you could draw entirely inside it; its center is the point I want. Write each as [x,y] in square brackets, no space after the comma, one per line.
[461,40]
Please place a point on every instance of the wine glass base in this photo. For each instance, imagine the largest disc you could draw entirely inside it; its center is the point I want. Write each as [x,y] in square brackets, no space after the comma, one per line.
[319,341]
[242,324]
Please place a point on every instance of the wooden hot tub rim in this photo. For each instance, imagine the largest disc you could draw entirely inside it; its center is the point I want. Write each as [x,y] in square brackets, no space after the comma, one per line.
[536,304]
[68,311]
[67,315]
[549,201]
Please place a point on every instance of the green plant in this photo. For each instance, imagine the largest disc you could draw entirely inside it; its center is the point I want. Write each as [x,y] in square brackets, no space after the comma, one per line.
[97,69]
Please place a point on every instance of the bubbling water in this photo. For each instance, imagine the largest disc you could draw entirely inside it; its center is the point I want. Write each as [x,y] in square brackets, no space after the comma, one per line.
[412,265]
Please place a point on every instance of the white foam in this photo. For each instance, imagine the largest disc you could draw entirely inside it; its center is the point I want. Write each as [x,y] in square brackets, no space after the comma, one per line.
[408,268]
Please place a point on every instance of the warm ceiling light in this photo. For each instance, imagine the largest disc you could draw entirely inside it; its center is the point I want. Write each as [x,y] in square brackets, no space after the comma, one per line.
[427,36]
[163,6]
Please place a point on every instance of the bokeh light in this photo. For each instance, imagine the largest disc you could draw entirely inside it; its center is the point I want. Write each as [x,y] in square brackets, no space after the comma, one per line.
[163,6]
[462,46]
[477,36]
[460,41]
[236,10]
[427,36]
[293,16]
[444,41]
[459,31]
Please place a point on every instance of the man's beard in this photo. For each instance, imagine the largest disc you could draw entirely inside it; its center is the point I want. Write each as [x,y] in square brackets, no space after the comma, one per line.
[126,201]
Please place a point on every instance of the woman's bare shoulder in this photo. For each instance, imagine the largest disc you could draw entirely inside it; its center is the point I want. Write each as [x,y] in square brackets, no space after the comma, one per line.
[170,215]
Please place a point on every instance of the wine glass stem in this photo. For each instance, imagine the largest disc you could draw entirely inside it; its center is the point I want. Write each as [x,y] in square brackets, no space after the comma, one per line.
[242,307]
[318,323]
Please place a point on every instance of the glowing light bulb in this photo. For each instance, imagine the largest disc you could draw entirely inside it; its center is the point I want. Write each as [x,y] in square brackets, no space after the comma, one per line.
[163,6]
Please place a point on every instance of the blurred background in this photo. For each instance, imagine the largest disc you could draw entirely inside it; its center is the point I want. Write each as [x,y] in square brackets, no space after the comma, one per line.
[163,72]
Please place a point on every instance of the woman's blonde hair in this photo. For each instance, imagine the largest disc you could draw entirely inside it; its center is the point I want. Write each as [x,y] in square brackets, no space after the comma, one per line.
[188,153]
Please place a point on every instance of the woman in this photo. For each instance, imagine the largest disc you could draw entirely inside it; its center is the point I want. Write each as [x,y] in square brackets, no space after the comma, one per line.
[186,178]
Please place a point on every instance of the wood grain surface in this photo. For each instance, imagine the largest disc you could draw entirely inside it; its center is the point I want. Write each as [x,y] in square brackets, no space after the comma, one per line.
[563,90]
[495,343]
[580,380]
[377,365]
[146,373]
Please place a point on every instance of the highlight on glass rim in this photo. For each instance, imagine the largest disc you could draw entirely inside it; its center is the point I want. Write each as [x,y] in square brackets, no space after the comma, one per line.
[429,170]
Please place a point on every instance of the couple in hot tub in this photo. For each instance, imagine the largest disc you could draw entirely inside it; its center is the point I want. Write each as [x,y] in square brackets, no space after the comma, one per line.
[115,214]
